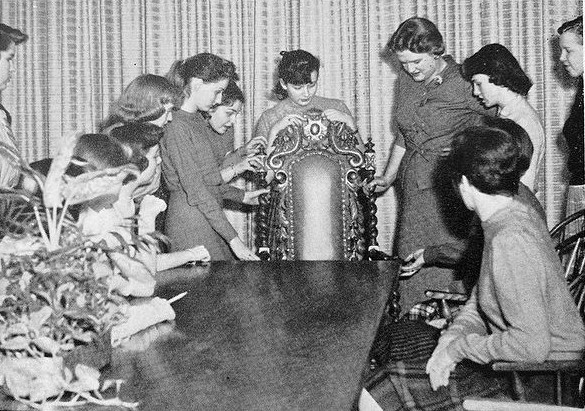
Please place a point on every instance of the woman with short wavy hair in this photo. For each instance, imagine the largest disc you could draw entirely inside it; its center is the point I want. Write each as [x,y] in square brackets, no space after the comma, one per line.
[433,103]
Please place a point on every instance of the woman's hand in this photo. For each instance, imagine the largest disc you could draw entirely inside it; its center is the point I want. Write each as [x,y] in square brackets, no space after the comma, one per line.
[241,251]
[251,197]
[198,253]
[253,163]
[288,120]
[413,263]
[255,145]
[336,115]
[445,151]
[377,184]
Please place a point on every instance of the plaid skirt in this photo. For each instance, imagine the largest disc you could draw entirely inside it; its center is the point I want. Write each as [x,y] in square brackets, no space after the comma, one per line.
[402,384]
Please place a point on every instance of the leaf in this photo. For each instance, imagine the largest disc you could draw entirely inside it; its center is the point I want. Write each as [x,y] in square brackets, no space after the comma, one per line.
[17,211]
[52,192]
[87,379]
[38,318]
[15,343]
[47,345]
[37,378]
[10,153]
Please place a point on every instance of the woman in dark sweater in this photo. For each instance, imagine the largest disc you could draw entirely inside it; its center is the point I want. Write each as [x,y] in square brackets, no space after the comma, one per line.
[191,167]
[571,43]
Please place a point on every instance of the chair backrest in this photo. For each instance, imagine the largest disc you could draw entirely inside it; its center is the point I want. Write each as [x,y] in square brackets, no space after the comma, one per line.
[569,235]
[315,211]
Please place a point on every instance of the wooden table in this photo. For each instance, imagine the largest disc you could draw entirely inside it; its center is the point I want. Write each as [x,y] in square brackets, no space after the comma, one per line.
[259,336]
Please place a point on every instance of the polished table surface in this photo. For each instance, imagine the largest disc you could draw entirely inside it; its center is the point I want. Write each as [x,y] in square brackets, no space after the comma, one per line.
[258,336]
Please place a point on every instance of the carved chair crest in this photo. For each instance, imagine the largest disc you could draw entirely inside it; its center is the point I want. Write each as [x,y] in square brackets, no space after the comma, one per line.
[314,210]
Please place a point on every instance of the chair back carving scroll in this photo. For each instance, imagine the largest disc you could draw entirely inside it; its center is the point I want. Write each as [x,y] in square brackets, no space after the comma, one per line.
[316,208]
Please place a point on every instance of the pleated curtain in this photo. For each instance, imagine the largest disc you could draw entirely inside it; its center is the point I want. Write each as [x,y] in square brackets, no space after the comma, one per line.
[81,54]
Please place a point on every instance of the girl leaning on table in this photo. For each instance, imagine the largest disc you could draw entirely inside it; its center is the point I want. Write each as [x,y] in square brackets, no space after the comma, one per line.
[103,219]
[111,218]
[192,168]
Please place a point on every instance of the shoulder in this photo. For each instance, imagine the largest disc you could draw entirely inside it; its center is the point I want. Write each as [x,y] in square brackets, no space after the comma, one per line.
[274,110]
[452,76]
[327,101]
[521,226]
[185,124]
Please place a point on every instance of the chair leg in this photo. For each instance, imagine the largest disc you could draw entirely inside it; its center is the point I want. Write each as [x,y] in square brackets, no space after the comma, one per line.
[559,390]
[518,386]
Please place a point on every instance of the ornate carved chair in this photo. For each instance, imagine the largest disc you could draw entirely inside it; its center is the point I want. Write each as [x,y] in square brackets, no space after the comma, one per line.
[316,209]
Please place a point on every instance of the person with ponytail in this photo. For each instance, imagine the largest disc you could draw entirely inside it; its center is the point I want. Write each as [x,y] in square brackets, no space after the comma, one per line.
[191,166]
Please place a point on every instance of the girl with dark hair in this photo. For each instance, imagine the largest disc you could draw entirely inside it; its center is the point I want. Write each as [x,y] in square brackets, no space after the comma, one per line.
[433,103]
[191,163]
[221,119]
[296,88]
[499,81]
[571,43]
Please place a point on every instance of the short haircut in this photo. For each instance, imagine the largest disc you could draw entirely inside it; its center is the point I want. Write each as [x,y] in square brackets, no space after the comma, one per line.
[138,138]
[500,65]
[574,26]
[100,151]
[418,35]
[231,94]
[520,135]
[295,67]
[488,157]
[9,35]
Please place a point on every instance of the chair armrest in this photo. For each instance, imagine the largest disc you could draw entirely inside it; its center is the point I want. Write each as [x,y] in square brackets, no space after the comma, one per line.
[482,404]
[446,295]
[550,365]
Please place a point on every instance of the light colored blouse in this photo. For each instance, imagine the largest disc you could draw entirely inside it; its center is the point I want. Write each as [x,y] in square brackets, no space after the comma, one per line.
[523,114]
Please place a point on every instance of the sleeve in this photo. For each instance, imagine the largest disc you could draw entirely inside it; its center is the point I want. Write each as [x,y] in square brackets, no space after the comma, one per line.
[519,283]
[9,173]
[536,135]
[474,104]
[344,109]
[448,254]
[468,321]
[229,192]
[262,127]
[190,162]
[399,140]
[451,254]
[232,158]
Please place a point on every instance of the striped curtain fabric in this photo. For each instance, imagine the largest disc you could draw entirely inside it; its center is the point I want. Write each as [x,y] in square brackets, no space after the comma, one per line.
[81,54]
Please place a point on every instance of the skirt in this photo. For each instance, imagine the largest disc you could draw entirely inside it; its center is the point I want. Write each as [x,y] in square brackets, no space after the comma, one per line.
[187,227]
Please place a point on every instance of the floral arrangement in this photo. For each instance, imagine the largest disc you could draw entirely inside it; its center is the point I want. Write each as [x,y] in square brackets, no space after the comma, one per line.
[57,292]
